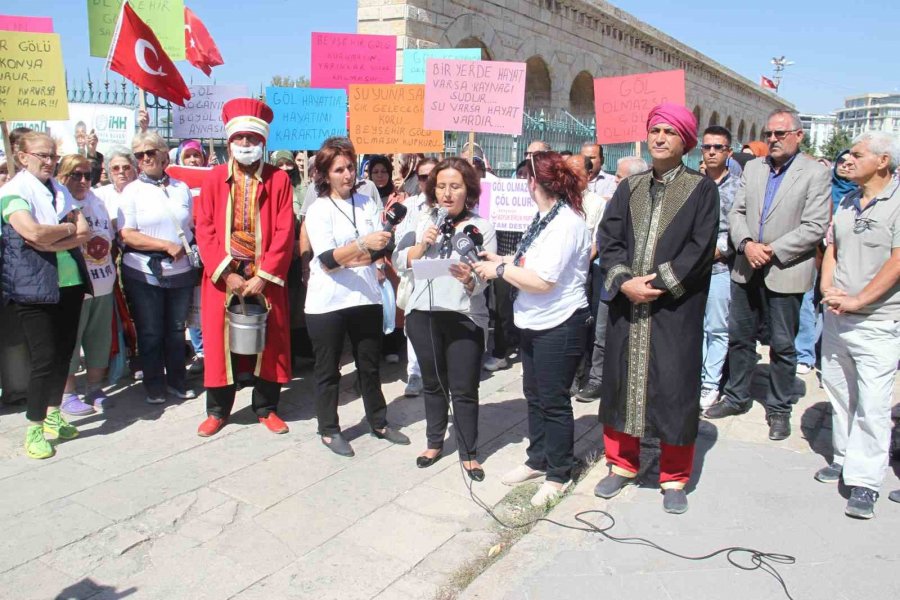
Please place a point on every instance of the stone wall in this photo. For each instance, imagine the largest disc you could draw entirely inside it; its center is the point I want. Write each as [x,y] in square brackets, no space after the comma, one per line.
[566,43]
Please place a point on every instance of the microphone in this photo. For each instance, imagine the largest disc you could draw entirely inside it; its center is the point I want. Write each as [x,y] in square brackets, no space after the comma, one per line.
[465,248]
[474,234]
[441,216]
[394,215]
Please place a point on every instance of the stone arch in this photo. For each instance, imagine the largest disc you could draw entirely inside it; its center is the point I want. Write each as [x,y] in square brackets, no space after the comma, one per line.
[470,28]
[538,87]
[741,132]
[713,118]
[752,134]
[729,124]
[698,112]
[473,42]
[581,95]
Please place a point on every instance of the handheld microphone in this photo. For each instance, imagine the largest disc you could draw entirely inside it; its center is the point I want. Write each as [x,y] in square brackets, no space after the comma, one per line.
[441,216]
[394,215]
[475,235]
[465,248]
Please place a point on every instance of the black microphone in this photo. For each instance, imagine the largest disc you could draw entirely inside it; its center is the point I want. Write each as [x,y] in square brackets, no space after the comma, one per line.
[465,248]
[394,215]
[475,235]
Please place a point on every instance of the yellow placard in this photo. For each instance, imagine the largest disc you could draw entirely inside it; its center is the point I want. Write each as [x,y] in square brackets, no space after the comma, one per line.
[32,77]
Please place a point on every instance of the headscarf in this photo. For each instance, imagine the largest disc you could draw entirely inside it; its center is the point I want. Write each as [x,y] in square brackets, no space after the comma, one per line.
[293,172]
[190,145]
[840,186]
[380,159]
[679,117]
[758,148]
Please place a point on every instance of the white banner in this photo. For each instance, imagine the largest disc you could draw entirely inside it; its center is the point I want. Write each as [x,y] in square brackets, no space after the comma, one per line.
[507,204]
[201,116]
[114,126]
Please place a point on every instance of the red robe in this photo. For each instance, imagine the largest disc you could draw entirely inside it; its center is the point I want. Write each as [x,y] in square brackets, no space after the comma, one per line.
[274,249]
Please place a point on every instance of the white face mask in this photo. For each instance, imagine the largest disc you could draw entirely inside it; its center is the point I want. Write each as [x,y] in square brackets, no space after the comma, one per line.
[246,155]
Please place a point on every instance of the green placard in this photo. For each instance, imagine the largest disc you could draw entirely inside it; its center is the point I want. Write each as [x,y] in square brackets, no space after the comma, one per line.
[165,18]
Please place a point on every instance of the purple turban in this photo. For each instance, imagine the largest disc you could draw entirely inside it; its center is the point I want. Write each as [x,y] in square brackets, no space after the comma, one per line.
[683,120]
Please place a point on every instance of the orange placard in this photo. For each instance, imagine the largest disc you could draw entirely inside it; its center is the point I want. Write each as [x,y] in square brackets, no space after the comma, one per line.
[623,103]
[389,118]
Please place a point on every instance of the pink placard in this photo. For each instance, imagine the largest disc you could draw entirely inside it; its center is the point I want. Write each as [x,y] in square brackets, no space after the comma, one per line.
[339,59]
[623,103]
[26,24]
[474,95]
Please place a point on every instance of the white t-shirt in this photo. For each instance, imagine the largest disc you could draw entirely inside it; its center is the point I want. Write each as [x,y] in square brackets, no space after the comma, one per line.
[111,198]
[560,254]
[96,251]
[150,210]
[329,224]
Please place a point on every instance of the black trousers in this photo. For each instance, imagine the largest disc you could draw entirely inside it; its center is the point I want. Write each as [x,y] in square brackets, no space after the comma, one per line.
[449,347]
[50,332]
[506,335]
[549,360]
[752,303]
[220,400]
[327,331]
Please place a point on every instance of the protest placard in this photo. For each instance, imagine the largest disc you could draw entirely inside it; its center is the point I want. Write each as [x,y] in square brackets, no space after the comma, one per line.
[114,126]
[201,116]
[474,95]
[388,118]
[32,24]
[506,204]
[305,117]
[623,103]
[339,59]
[414,60]
[164,17]
[32,78]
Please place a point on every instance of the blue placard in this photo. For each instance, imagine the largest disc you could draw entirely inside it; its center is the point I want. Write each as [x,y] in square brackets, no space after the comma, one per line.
[414,60]
[305,117]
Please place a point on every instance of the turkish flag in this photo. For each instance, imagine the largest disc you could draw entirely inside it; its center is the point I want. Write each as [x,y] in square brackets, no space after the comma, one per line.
[199,47]
[137,55]
[767,83]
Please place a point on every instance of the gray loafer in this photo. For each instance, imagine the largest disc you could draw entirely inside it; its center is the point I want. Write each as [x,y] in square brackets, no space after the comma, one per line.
[675,501]
[338,445]
[391,435]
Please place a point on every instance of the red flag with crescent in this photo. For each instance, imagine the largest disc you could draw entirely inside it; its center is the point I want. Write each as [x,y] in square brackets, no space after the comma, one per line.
[199,47]
[136,54]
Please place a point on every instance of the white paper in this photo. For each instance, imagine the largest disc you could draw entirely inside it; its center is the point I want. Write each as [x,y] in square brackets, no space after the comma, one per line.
[432,268]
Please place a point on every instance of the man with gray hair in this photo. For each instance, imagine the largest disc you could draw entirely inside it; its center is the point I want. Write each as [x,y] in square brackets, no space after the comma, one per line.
[778,221]
[628,166]
[861,337]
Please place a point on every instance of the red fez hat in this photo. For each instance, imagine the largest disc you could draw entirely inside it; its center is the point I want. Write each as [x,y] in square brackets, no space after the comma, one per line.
[246,115]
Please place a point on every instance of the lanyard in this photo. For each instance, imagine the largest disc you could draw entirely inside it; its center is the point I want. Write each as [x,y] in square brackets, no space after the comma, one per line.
[352,212]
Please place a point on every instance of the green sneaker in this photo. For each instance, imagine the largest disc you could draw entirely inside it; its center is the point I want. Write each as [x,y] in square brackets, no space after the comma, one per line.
[58,428]
[36,446]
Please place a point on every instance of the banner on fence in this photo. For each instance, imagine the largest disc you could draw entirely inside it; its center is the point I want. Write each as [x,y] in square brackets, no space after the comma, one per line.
[305,117]
[474,95]
[414,60]
[164,17]
[27,24]
[339,59]
[623,103]
[388,118]
[506,203]
[201,116]
[113,124]
[32,77]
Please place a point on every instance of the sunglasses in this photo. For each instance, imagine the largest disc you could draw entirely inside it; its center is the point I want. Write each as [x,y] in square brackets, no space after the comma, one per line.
[779,134]
[422,177]
[79,176]
[150,154]
[716,147]
[121,168]
[862,224]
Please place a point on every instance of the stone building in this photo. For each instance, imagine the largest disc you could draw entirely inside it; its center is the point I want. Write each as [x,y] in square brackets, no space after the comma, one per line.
[566,44]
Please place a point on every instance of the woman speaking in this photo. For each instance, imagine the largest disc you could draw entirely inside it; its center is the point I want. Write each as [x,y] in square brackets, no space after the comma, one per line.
[447,316]
[548,274]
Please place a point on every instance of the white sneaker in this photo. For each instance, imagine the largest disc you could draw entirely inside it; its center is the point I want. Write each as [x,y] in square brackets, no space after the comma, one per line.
[187,394]
[413,387]
[392,359]
[708,397]
[548,492]
[804,369]
[495,364]
[521,474]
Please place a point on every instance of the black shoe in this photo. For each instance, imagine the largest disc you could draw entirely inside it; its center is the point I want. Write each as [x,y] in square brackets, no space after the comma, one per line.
[779,426]
[722,409]
[588,393]
[829,474]
[675,501]
[338,445]
[475,474]
[861,504]
[423,462]
[894,496]
[612,484]
[391,435]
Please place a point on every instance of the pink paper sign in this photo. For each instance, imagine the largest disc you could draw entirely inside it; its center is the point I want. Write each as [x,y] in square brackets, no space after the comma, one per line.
[339,59]
[623,103]
[26,24]
[474,95]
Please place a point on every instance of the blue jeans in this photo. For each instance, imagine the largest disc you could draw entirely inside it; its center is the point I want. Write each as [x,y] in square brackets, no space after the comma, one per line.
[715,329]
[196,339]
[159,316]
[810,330]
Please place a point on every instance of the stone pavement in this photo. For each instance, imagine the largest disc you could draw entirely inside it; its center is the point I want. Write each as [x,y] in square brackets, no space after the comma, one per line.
[747,491]
[140,507]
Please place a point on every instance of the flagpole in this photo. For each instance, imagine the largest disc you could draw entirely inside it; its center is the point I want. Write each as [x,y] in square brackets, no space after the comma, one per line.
[7,147]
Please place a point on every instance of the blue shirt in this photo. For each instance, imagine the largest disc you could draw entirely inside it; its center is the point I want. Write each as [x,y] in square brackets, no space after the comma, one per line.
[772,186]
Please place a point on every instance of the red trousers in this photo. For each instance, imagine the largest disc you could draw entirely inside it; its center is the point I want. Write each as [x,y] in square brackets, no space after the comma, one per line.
[623,454]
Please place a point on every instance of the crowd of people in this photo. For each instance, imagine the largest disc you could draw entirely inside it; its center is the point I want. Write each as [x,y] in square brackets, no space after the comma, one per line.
[648,289]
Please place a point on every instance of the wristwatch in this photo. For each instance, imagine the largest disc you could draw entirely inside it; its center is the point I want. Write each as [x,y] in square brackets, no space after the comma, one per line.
[500,269]
[743,245]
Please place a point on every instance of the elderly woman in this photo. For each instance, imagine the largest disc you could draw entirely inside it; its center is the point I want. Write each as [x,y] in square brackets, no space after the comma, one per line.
[122,170]
[95,325]
[45,279]
[447,317]
[155,220]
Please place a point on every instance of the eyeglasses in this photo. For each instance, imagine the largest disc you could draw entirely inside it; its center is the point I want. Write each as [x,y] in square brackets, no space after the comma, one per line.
[47,158]
[779,134]
[79,176]
[150,154]
[120,168]
[862,224]
[422,177]
[716,147]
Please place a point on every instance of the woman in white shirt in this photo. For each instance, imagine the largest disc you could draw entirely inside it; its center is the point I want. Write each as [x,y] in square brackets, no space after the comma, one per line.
[344,297]
[548,274]
[155,221]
